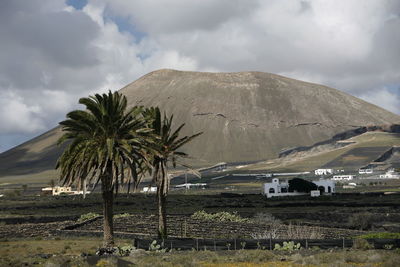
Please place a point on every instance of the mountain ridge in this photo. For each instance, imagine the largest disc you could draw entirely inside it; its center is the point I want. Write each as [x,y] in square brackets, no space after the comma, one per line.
[245,116]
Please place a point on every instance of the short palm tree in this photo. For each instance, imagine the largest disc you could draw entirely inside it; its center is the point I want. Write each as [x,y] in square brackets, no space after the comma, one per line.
[166,146]
[105,140]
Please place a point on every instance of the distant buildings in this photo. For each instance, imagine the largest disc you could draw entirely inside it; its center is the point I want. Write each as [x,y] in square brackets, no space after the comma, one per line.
[191,186]
[61,190]
[149,189]
[323,171]
[276,189]
[343,177]
[390,174]
[365,171]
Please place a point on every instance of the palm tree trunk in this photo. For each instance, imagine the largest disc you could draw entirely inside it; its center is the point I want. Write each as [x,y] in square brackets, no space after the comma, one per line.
[162,214]
[108,198]
[161,200]
[84,188]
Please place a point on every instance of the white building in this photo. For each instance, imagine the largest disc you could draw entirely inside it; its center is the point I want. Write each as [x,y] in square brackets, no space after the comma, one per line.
[149,189]
[323,171]
[390,174]
[275,188]
[189,186]
[343,177]
[365,171]
[61,190]
[326,187]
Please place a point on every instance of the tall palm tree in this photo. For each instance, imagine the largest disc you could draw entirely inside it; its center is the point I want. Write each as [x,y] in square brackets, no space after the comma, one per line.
[105,140]
[166,146]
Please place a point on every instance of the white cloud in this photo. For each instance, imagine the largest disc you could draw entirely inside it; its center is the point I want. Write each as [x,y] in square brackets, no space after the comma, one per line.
[384,97]
[17,116]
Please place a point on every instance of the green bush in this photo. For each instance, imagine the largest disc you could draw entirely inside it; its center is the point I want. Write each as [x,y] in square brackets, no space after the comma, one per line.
[124,250]
[362,244]
[122,215]
[87,216]
[289,246]
[12,193]
[382,235]
[363,221]
[156,247]
[222,216]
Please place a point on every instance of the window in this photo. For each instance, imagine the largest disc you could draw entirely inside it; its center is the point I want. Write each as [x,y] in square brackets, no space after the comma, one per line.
[271,190]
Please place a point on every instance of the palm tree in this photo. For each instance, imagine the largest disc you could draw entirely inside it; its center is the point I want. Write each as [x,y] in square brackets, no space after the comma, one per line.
[166,146]
[105,140]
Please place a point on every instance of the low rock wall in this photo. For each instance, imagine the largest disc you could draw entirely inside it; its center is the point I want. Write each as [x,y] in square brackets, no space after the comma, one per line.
[185,226]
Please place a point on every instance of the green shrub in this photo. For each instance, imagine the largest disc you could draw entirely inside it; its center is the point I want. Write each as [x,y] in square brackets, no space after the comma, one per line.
[383,235]
[360,243]
[266,218]
[87,216]
[122,215]
[289,246]
[222,216]
[125,250]
[363,221]
[12,193]
[156,247]
[388,246]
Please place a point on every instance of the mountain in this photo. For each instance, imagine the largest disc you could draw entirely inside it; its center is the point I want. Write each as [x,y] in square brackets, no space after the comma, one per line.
[245,116]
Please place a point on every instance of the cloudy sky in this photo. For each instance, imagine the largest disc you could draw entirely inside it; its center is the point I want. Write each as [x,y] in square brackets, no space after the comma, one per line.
[54,51]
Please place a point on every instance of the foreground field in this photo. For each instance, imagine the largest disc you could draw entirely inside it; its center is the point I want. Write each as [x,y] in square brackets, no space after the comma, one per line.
[378,212]
[28,229]
[81,252]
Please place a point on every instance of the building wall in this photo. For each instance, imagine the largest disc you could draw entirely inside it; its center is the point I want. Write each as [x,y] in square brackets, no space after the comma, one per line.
[274,188]
[323,171]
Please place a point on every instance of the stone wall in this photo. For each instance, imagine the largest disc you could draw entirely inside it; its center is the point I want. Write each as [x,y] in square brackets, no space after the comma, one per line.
[185,226]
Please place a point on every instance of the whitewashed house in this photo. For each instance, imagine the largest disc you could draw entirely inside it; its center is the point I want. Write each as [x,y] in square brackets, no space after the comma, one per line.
[323,171]
[365,171]
[390,174]
[190,186]
[61,190]
[343,177]
[276,189]
[149,189]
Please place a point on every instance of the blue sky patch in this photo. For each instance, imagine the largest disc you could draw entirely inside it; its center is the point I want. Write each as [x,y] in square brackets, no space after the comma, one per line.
[124,25]
[77,4]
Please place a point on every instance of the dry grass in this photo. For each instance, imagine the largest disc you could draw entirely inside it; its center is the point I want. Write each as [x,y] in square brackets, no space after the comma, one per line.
[27,252]
[19,252]
[289,232]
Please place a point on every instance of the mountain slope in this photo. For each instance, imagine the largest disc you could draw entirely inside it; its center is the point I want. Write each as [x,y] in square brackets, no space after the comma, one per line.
[354,153]
[245,116]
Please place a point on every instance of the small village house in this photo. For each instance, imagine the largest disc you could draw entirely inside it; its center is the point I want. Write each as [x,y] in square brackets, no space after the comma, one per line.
[390,174]
[365,171]
[61,190]
[276,188]
[149,189]
[323,171]
[347,177]
[191,186]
